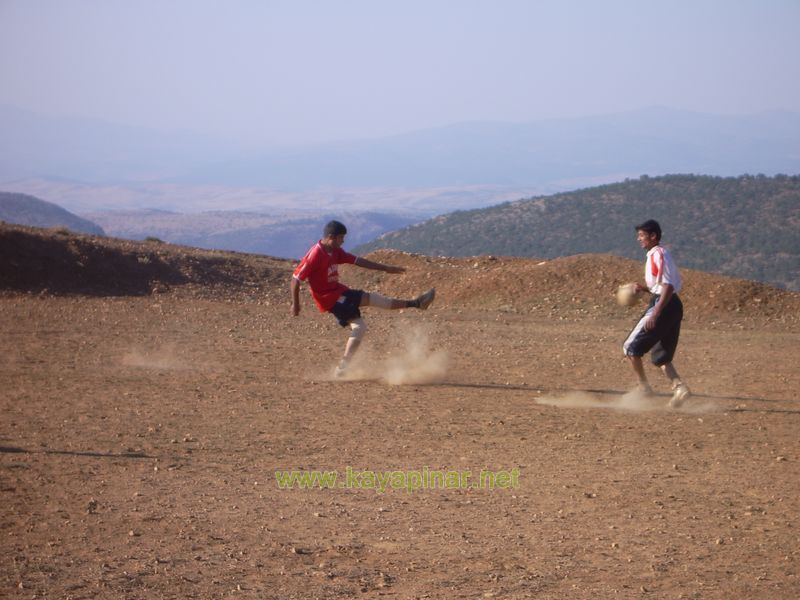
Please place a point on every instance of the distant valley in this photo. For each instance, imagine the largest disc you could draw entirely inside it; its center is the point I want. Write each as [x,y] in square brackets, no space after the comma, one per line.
[281,235]
[255,220]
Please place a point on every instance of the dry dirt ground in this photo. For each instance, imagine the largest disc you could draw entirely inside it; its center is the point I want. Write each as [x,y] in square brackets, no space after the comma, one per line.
[141,435]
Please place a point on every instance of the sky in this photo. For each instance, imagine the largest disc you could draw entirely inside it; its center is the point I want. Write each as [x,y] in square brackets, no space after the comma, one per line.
[267,72]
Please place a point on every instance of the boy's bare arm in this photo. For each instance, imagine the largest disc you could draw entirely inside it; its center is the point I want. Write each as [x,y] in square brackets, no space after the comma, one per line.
[294,286]
[667,291]
[376,266]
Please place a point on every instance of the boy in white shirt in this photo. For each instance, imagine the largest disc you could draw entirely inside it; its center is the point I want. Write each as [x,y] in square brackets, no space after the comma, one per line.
[660,326]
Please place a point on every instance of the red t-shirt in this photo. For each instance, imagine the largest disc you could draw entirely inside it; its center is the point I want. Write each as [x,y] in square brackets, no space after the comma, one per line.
[320,269]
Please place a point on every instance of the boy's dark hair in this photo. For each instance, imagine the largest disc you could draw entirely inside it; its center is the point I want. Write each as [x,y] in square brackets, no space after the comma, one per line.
[334,228]
[650,226]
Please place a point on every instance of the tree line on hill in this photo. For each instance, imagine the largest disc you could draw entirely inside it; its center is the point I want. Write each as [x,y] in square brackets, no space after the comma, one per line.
[747,226]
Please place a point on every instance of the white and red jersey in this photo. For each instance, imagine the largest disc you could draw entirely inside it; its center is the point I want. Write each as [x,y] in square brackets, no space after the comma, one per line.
[320,269]
[661,269]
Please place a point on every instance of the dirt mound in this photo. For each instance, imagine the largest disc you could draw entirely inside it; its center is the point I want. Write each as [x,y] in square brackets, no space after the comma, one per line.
[57,261]
[575,287]
[572,286]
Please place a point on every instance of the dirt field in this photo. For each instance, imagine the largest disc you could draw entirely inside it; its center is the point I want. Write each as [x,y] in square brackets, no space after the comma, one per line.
[141,436]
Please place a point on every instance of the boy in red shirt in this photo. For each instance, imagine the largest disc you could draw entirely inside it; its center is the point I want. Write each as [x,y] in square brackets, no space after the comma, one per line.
[319,268]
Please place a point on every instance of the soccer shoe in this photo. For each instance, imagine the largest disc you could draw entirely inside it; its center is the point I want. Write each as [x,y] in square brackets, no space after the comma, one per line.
[425,299]
[340,371]
[679,395]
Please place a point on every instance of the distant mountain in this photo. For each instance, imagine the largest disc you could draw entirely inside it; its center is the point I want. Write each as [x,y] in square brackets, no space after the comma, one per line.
[276,234]
[747,227]
[85,149]
[550,155]
[556,154]
[22,209]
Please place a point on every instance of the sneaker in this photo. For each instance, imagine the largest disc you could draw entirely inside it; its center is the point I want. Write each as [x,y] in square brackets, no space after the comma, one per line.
[645,390]
[679,395]
[425,299]
[340,371]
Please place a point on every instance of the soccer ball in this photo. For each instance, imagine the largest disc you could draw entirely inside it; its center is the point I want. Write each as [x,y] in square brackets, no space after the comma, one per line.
[627,295]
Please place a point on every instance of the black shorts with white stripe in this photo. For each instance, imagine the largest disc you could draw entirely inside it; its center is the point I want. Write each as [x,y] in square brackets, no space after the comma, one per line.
[663,338]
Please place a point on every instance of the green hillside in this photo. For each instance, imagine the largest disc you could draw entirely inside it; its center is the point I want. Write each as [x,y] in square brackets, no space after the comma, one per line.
[746,226]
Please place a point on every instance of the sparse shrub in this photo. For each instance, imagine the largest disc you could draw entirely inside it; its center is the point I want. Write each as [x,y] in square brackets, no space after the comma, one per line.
[151,238]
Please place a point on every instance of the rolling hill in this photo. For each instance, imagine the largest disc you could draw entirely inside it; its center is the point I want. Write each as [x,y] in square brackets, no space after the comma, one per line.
[746,227]
[23,209]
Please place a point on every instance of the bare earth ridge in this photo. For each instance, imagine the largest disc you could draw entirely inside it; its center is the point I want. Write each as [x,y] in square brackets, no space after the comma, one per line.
[151,392]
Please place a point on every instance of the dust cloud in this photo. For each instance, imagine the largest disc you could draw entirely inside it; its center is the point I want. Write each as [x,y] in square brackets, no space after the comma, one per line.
[162,358]
[415,362]
[411,362]
[633,401]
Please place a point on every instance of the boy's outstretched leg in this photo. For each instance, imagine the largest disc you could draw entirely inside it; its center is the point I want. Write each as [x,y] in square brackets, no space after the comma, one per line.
[422,301]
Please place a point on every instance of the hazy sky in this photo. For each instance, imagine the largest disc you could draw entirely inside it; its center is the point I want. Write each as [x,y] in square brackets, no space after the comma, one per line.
[299,71]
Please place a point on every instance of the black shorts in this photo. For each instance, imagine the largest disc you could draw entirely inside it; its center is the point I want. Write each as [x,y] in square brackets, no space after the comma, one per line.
[346,307]
[663,338]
